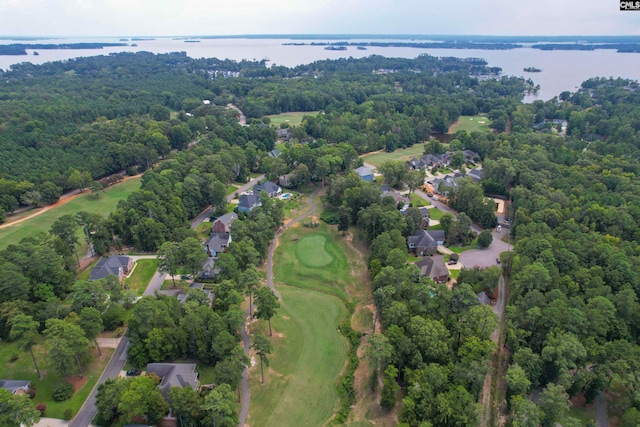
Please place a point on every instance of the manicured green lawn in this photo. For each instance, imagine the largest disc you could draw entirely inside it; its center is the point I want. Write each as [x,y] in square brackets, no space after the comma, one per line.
[310,258]
[293,118]
[22,369]
[376,159]
[308,355]
[418,201]
[459,249]
[142,274]
[454,273]
[471,124]
[232,189]
[106,204]
[435,213]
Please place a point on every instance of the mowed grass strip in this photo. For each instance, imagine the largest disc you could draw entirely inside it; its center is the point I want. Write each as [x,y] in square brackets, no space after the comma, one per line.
[471,124]
[310,258]
[142,274]
[106,204]
[404,154]
[308,355]
[292,118]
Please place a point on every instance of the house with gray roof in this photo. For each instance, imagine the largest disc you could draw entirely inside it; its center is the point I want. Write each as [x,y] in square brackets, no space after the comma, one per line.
[217,243]
[425,242]
[475,174]
[183,297]
[248,202]
[16,386]
[273,190]
[223,223]
[434,267]
[209,271]
[483,298]
[365,173]
[174,375]
[118,265]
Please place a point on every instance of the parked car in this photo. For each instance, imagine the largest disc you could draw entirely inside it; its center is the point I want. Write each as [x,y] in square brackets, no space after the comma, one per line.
[133,373]
[452,262]
[429,194]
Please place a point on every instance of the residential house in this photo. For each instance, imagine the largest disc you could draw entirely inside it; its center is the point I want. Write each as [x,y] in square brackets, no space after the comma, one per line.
[417,164]
[182,298]
[248,202]
[475,174]
[287,180]
[217,243]
[434,267]
[273,190]
[16,386]
[223,223]
[471,156]
[425,242]
[208,269]
[118,265]
[446,184]
[284,134]
[174,375]
[425,216]
[365,173]
[275,153]
[483,298]
[397,197]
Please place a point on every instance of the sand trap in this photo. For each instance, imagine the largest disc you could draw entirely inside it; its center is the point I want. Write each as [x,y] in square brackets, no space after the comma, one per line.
[481,121]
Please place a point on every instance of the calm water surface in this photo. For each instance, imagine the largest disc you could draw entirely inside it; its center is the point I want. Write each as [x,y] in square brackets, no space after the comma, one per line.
[561,70]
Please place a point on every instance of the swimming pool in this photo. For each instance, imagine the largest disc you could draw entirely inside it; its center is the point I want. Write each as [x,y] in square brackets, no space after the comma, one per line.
[286,196]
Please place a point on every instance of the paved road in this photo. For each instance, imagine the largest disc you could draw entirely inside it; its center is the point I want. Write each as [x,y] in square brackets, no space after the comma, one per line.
[88,410]
[602,420]
[242,119]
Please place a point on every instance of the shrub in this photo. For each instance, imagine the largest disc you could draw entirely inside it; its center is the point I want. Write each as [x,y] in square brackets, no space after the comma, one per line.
[42,408]
[68,414]
[113,317]
[62,390]
[14,356]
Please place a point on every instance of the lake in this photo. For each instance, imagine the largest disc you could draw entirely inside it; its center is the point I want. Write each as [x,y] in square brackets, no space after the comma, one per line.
[561,70]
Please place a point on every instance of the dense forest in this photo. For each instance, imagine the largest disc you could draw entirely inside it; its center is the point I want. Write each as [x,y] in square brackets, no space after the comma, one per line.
[573,310]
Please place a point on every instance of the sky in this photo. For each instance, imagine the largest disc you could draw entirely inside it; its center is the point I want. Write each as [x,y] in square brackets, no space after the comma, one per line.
[235,17]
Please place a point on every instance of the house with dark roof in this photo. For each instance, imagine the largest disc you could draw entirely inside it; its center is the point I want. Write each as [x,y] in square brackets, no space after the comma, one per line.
[217,243]
[16,386]
[475,174]
[434,267]
[417,163]
[174,375]
[365,173]
[483,298]
[445,185]
[273,190]
[183,297]
[425,242]
[275,153]
[284,134]
[287,180]
[397,197]
[118,265]
[471,156]
[248,202]
[223,223]
[425,216]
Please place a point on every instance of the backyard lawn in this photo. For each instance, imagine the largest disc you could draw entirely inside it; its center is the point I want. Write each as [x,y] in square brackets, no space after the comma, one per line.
[376,159]
[293,118]
[142,274]
[106,204]
[22,369]
[471,124]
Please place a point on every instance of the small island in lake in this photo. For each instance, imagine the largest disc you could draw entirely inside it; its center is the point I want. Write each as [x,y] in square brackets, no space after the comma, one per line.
[532,70]
[335,48]
[361,48]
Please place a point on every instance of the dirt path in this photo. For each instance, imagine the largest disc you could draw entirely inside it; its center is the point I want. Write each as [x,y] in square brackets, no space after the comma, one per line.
[242,120]
[490,397]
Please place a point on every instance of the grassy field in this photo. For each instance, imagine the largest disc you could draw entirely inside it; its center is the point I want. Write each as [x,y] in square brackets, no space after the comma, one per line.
[310,258]
[471,124]
[22,369]
[435,213]
[376,159]
[106,204]
[142,274]
[418,201]
[308,354]
[294,118]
